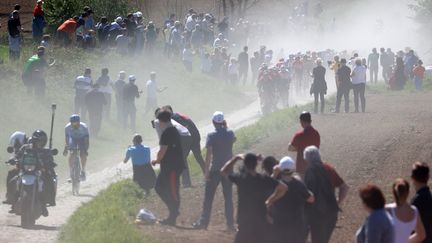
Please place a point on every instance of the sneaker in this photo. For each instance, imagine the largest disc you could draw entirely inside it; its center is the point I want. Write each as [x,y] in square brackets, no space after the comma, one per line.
[83,176]
[231,228]
[7,202]
[69,180]
[168,221]
[44,212]
[199,225]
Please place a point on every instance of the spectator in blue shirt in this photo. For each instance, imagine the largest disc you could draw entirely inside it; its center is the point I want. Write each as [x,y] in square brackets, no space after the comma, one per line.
[219,150]
[378,226]
[143,173]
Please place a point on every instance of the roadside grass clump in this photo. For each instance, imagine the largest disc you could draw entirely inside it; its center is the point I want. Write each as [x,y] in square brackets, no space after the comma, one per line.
[106,218]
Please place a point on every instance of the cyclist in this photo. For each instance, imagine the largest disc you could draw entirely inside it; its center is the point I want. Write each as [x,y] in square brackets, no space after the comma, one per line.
[77,137]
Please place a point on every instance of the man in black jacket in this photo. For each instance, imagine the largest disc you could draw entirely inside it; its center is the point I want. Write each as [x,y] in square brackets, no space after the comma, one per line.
[95,101]
[195,134]
[423,197]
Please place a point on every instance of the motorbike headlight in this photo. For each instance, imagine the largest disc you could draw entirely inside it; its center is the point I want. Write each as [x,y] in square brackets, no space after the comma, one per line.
[29,167]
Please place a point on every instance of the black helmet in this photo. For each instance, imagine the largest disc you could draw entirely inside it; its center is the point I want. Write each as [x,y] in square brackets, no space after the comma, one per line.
[39,138]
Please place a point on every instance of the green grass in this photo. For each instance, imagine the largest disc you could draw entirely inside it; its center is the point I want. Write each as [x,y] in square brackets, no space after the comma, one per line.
[111,214]
[194,94]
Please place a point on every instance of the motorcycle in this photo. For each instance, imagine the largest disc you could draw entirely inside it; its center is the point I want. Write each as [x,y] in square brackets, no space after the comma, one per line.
[30,188]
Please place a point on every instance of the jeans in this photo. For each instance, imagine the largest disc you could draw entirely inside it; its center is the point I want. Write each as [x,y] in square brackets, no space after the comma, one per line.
[386,70]
[95,119]
[191,144]
[342,91]
[418,81]
[167,187]
[373,73]
[119,103]
[80,107]
[359,92]
[243,73]
[321,97]
[210,190]
[107,107]
[129,110]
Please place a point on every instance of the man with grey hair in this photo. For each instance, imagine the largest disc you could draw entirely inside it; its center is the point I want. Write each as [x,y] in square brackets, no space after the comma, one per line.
[322,180]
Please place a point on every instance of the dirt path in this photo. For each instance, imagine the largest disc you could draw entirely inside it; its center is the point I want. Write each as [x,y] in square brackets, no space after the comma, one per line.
[377,146]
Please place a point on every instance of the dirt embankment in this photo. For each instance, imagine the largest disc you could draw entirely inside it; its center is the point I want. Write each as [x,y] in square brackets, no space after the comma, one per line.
[377,146]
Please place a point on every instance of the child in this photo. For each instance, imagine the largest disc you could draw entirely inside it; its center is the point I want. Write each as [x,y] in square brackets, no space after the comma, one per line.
[143,173]
[419,72]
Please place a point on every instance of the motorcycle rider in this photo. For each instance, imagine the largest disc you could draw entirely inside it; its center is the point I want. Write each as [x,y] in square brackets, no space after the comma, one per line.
[36,148]
[16,141]
[77,136]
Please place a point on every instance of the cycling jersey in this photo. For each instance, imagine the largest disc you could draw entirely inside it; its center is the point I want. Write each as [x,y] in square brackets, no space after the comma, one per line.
[76,137]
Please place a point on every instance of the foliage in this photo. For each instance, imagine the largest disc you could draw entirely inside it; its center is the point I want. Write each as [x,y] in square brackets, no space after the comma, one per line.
[423,10]
[58,11]
[107,218]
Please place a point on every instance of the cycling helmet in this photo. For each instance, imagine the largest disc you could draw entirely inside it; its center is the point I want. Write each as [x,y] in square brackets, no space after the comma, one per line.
[74,118]
[39,138]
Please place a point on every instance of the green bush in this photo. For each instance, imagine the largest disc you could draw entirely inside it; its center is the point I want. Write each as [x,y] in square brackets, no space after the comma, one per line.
[57,11]
[107,218]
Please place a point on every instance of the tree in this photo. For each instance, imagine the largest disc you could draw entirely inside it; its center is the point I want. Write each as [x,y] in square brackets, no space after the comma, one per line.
[240,5]
[57,11]
[423,11]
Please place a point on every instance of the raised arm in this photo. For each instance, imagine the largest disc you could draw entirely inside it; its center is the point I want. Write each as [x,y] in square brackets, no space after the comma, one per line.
[228,167]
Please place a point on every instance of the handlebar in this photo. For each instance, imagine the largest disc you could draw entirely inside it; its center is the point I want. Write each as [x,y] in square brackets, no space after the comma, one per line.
[12,161]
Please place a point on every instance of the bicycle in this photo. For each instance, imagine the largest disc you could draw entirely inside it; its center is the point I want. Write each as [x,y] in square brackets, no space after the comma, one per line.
[75,171]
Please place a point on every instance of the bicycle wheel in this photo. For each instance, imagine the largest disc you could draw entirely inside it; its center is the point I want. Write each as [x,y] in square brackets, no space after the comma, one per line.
[76,172]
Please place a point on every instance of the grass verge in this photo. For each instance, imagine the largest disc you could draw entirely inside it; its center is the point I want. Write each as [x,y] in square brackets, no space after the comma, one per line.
[107,218]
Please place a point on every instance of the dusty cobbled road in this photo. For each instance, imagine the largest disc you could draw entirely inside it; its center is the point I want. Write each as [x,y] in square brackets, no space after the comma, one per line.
[377,146]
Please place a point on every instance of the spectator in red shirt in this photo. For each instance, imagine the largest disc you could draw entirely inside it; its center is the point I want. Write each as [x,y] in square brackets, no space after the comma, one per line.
[38,23]
[67,30]
[307,137]
[322,180]
[419,72]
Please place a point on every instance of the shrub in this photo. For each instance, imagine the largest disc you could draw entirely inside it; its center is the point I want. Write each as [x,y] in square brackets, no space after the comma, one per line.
[57,11]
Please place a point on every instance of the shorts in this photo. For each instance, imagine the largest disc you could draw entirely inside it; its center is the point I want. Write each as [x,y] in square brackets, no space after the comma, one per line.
[81,146]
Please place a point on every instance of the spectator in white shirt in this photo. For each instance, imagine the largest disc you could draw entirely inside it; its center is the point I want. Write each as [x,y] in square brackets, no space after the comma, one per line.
[359,85]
